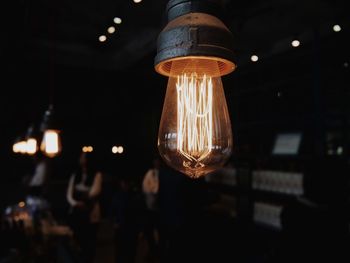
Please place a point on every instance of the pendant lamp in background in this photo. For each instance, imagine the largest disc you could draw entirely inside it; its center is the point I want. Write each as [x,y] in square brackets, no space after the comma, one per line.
[195,49]
[20,145]
[31,140]
[51,141]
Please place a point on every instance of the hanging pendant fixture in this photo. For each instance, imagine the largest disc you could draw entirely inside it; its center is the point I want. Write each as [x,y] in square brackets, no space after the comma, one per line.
[31,141]
[195,49]
[51,141]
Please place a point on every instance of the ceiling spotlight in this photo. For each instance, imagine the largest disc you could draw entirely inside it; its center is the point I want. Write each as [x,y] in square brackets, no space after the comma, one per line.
[137,1]
[102,38]
[336,28]
[254,58]
[295,43]
[117,20]
[111,29]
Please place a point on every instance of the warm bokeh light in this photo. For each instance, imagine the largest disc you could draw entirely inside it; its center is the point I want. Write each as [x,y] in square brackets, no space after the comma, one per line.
[32,146]
[115,149]
[295,43]
[120,149]
[336,28]
[88,149]
[254,58]
[137,1]
[111,29]
[21,147]
[22,204]
[102,38]
[117,20]
[51,144]
[15,148]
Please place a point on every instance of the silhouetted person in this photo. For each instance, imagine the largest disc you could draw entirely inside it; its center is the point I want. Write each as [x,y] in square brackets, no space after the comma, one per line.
[83,193]
[315,226]
[150,189]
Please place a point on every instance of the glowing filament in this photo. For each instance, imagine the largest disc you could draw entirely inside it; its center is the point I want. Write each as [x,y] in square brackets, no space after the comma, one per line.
[195,117]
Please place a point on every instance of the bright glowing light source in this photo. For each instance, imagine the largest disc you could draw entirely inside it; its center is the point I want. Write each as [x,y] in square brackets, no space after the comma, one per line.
[32,146]
[254,58]
[15,148]
[117,20]
[88,149]
[137,1]
[21,147]
[295,43]
[22,204]
[115,149]
[195,135]
[102,38]
[111,29]
[120,149]
[336,28]
[51,144]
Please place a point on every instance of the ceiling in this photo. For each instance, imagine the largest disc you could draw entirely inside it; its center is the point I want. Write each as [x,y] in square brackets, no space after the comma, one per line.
[107,92]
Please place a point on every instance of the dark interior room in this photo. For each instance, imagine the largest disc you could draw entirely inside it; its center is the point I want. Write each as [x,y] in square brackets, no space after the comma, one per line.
[144,131]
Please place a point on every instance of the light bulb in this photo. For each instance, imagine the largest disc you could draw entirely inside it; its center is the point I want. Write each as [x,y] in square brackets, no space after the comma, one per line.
[120,149]
[31,146]
[51,143]
[195,135]
[15,147]
[22,147]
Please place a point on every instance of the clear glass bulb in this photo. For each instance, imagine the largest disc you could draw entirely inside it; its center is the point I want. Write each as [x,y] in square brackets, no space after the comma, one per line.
[51,143]
[195,135]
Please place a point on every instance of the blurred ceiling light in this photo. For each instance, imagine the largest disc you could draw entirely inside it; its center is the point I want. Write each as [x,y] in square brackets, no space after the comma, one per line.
[120,149]
[102,38]
[51,139]
[114,149]
[336,28]
[32,142]
[137,1]
[295,43]
[254,58]
[88,149]
[111,29]
[117,20]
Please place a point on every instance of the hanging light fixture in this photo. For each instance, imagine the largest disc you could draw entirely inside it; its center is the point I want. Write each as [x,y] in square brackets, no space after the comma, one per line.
[20,145]
[194,50]
[51,141]
[31,141]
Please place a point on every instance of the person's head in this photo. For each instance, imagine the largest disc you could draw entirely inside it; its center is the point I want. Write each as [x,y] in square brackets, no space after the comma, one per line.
[325,179]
